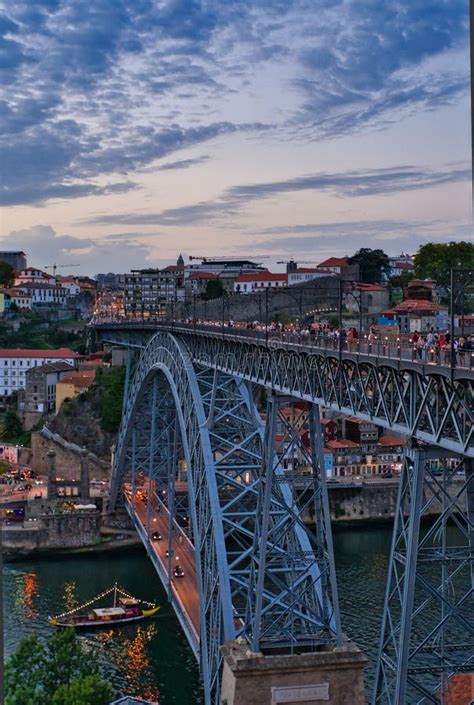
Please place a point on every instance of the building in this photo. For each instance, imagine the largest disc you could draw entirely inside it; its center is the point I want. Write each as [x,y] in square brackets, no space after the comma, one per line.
[373,298]
[40,386]
[72,384]
[111,281]
[5,302]
[31,275]
[401,264]
[334,264]
[347,457]
[15,258]
[148,291]
[228,270]
[302,275]
[19,298]
[365,433]
[258,281]
[197,282]
[44,294]
[417,315]
[14,365]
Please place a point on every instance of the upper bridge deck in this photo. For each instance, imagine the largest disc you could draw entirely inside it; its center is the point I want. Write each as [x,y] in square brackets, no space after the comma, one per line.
[425,394]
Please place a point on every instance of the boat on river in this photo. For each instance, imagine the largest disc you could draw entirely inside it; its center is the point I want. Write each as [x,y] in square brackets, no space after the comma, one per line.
[125,609]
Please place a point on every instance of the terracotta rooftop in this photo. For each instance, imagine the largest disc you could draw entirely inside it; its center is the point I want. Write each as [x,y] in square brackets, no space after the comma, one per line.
[48,354]
[339,445]
[416,305]
[262,277]
[203,275]
[391,441]
[334,262]
[79,379]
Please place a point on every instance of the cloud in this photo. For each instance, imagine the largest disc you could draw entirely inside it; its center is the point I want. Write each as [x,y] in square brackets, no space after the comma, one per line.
[183,163]
[366,63]
[350,184]
[43,246]
[97,90]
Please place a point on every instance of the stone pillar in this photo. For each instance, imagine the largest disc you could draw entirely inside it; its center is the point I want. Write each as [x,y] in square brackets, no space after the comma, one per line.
[333,676]
[51,456]
[85,491]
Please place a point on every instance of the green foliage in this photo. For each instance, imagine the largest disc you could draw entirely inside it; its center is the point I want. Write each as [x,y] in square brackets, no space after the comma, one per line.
[11,427]
[214,289]
[56,672]
[113,382]
[373,264]
[435,260]
[7,274]
[90,690]
[4,467]
[35,332]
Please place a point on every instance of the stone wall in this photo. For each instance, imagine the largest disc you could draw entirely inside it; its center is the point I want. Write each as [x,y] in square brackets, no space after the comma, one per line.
[68,457]
[52,531]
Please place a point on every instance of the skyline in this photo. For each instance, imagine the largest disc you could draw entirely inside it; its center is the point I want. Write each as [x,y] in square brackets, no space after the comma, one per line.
[133,131]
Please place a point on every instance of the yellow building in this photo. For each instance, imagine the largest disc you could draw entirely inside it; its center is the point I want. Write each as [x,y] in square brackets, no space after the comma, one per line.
[72,385]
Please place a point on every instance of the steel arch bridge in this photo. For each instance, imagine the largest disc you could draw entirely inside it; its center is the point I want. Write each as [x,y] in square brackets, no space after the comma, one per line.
[259,574]
[256,572]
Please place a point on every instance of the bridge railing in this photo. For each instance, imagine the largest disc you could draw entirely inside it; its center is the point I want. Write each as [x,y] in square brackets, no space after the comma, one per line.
[380,347]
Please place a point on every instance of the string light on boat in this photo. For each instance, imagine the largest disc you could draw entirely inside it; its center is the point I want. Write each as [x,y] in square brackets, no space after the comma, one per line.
[99,597]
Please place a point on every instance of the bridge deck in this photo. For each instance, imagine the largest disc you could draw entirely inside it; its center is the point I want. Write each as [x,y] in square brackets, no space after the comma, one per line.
[185,592]
[383,349]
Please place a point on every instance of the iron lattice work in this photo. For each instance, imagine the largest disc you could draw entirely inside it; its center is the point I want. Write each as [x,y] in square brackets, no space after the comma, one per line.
[261,573]
[431,403]
[428,623]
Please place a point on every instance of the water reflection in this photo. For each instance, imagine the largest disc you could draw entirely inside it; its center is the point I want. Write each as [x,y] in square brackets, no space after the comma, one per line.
[70,596]
[26,594]
[133,660]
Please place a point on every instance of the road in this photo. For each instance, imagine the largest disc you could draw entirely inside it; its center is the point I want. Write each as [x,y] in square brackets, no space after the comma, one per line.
[182,554]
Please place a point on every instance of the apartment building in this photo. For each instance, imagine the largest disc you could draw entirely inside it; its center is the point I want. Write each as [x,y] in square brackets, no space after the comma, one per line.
[258,281]
[14,364]
[148,291]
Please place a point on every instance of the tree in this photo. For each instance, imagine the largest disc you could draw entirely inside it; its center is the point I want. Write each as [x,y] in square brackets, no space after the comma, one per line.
[214,289]
[12,427]
[7,274]
[90,690]
[373,265]
[435,260]
[56,672]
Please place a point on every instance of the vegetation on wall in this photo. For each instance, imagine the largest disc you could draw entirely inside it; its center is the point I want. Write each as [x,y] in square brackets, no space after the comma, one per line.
[113,382]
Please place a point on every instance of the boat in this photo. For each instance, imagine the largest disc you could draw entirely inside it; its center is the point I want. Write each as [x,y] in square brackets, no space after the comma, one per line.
[125,609]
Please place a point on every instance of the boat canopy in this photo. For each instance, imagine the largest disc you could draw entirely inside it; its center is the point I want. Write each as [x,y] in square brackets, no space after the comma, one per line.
[109,611]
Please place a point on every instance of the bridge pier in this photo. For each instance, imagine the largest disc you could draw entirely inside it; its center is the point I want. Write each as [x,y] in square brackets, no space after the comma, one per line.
[332,676]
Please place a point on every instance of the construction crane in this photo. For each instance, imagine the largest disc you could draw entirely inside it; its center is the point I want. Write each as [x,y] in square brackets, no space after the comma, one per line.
[55,266]
[232,257]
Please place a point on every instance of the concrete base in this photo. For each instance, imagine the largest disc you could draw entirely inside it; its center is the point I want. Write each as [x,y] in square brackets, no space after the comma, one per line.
[334,677]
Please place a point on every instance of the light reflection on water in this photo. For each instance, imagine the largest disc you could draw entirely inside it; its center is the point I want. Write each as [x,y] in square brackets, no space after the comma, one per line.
[152,659]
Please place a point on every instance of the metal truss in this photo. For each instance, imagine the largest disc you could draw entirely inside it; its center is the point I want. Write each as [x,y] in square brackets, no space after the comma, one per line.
[428,622]
[260,573]
[431,403]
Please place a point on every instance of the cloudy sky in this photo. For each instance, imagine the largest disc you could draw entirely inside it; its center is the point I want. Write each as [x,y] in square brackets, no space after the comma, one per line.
[136,129]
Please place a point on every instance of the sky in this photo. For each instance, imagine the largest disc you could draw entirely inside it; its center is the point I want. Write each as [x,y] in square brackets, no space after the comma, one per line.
[133,130]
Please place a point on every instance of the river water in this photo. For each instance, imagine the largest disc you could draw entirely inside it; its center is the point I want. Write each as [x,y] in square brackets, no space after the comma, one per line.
[152,659]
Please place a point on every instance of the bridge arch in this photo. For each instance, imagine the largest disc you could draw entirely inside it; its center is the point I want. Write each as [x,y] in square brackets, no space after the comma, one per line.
[223,443]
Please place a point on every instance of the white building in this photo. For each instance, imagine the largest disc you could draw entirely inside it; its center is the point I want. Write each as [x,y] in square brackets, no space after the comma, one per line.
[31,275]
[334,264]
[301,275]
[258,281]
[15,363]
[45,294]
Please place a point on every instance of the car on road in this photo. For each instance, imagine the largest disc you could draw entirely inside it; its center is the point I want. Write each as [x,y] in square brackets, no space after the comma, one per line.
[156,536]
[178,572]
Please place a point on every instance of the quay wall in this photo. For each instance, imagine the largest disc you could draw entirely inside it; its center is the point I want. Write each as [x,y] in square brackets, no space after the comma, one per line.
[51,532]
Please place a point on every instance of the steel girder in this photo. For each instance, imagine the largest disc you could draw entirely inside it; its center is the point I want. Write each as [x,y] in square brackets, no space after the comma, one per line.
[427,633]
[427,402]
[283,577]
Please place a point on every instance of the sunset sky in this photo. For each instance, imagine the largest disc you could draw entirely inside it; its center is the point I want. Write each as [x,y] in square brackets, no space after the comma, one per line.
[133,130]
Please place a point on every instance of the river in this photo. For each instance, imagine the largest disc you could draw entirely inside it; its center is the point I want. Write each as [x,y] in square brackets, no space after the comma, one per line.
[153,659]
